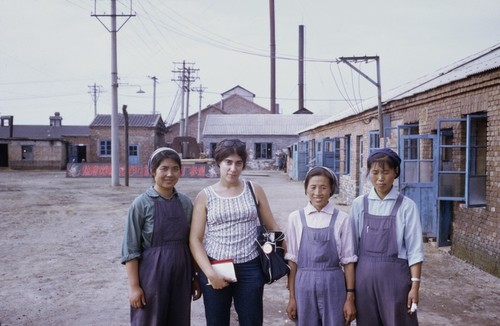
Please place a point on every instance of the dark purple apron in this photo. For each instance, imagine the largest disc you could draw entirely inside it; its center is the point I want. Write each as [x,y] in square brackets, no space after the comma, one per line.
[382,279]
[165,270]
[319,283]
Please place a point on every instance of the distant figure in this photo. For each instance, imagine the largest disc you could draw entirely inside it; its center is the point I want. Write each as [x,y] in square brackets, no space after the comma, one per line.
[321,255]
[155,248]
[390,248]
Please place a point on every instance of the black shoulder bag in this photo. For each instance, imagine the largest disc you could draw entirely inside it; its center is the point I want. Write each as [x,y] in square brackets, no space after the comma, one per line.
[270,246]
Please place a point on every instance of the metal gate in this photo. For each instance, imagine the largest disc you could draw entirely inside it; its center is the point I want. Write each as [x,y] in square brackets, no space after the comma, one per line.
[418,178]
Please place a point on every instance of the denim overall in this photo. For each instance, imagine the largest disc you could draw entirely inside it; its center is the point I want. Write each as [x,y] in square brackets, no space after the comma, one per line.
[382,279]
[319,283]
[165,270]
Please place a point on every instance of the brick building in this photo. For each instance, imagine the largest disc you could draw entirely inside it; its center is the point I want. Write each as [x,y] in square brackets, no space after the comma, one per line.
[146,133]
[48,146]
[237,100]
[266,137]
[446,128]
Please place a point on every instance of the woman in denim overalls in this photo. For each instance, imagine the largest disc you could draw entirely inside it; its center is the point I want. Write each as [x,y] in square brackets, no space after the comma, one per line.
[321,253]
[390,248]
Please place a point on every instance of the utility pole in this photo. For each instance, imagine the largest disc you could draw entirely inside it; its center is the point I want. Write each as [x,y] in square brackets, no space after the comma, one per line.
[155,80]
[125,121]
[377,83]
[200,90]
[185,78]
[115,148]
[95,90]
[273,56]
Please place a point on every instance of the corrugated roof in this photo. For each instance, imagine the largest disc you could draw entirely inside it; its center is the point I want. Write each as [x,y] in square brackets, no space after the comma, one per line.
[485,60]
[134,120]
[256,124]
[480,62]
[43,132]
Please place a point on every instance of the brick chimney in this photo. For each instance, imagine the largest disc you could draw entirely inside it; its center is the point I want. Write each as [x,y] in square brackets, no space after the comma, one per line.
[56,120]
[8,120]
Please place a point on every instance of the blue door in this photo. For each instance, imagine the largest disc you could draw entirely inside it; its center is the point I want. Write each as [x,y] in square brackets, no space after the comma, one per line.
[418,178]
[133,154]
[302,160]
[320,145]
[329,154]
[361,159]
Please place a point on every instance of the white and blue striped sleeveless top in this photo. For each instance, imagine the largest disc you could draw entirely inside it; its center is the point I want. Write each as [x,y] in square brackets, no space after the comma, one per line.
[231,226]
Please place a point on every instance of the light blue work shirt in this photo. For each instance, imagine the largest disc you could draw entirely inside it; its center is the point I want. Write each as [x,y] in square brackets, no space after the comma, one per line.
[408,225]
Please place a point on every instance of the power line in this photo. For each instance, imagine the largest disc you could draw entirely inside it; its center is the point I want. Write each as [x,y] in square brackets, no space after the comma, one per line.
[115,154]
[185,76]
[95,91]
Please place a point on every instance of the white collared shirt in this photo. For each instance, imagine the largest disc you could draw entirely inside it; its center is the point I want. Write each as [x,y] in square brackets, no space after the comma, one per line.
[343,232]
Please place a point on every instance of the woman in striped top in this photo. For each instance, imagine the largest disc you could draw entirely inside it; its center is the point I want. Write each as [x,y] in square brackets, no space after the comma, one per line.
[224,226]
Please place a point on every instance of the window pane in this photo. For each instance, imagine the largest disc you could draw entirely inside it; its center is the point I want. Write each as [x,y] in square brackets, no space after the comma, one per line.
[426,173]
[263,151]
[27,152]
[452,185]
[477,194]
[105,147]
[269,151]
[132,150]
[257,151]
[411,171]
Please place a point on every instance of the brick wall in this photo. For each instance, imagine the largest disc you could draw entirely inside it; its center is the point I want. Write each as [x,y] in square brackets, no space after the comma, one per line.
[148,139]
[46,155]
[476,231]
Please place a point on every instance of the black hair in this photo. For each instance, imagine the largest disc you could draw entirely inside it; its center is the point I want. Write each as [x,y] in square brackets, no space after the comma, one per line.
[159,155]
[391,159]
[227,147]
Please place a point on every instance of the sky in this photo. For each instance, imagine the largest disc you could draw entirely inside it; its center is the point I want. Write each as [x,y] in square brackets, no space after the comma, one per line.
[53,51]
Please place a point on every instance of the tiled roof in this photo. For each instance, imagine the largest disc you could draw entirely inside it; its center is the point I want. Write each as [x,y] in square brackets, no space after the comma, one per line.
[258,124]
[43,132]
[134,120]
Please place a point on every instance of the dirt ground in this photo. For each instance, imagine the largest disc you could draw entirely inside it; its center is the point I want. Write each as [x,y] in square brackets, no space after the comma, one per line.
[60,246]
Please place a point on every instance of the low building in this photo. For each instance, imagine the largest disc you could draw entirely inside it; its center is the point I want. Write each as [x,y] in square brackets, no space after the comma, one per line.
[146,132]
[41,147]
[237,100]
[266,137]
[445,128]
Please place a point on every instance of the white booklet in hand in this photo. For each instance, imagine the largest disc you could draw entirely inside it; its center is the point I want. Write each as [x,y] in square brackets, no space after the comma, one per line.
[225,267]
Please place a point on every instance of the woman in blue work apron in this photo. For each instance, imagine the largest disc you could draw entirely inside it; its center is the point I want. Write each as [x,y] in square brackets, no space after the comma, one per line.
[390,248]
[321,255]
[155,248]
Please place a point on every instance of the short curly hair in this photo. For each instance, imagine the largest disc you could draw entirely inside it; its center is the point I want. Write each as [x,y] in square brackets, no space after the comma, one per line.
[227,147]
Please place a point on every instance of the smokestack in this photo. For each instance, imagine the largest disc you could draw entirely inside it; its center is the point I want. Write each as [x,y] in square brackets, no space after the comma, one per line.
[301,67]
[273,57]
[8,120]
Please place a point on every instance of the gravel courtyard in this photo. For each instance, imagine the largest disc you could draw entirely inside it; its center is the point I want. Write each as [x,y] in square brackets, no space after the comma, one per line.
[60,245]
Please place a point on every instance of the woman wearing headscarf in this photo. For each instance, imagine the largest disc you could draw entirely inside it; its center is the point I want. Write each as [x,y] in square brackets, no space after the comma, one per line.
[155,248]
[321,256]
[390,247]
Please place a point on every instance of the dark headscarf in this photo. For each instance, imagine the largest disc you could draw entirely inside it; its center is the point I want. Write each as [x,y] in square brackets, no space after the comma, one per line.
[390,154]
